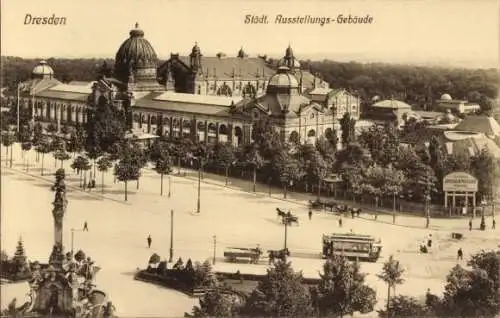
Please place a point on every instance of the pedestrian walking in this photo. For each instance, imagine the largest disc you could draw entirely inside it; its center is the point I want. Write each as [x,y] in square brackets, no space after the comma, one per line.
[493,223]
[310,214]
[470,225]
[460,254]
[340,222]
[149,241]
[85,226]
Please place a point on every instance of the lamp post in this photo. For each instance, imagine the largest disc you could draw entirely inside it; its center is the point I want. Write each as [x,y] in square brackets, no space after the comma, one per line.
[171,236]
[19,85]
[169,185]
[198,203]
[286,220]
[428,194]
[73,239]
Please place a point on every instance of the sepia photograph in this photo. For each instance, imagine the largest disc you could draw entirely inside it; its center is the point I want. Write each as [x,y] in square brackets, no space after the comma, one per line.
[281,158]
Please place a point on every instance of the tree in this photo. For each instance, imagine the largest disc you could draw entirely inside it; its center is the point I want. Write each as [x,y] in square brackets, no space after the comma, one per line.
[225,157]
[81,164]
[347,125]
[342,289]
[26,146]
[485,169]
[391,274]
[43,147]
[105,126]
[254,160]
[163,166]
[8,139]
[128,168]
[280,294]
[103,165]
[287,168]
[19,259]
[76,140]
[62,156]
[404,306]
[215,304]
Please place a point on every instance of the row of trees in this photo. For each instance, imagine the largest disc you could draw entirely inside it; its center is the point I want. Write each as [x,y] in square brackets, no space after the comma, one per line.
[342,291]
[373,166]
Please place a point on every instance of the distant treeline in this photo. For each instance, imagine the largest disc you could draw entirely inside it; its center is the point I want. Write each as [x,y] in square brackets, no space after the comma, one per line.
[417,85]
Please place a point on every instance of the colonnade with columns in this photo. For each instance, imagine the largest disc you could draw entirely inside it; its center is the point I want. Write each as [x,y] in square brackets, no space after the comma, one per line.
[58,112]
[198,127]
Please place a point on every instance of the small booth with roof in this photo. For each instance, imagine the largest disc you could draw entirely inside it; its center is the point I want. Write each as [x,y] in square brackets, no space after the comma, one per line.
[462,186]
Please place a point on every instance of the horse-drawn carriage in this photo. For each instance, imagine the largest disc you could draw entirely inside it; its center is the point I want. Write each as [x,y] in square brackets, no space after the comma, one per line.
[287,217]
[252,255]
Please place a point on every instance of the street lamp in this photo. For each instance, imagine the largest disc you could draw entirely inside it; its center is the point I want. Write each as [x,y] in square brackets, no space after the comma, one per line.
[428,194]
[199,160]
[171,236]
[73,239]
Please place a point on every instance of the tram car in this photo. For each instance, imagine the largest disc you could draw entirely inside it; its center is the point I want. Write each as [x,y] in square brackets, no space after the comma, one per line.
[353,246]
[252,255]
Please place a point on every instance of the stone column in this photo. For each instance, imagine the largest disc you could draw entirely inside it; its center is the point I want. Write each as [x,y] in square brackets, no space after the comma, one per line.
[60,203]
[217,132]
[181,128]
[230,133]
[171,125]
[205,137]
[194,129]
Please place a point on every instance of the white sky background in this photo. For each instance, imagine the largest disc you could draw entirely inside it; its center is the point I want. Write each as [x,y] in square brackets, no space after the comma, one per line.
[447,31]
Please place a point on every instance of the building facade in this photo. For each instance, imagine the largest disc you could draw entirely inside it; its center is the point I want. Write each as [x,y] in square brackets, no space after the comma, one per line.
[455,105]
[207,99]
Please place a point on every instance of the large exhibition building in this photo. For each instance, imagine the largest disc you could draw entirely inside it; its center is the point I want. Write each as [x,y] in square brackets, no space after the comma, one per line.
[206,98]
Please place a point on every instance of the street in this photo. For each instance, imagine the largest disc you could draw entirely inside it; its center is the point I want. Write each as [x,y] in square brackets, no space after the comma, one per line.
[117,234]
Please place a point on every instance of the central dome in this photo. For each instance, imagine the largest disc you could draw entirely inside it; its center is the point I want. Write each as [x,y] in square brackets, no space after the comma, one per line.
[42,70]
[283,81]
[136,59]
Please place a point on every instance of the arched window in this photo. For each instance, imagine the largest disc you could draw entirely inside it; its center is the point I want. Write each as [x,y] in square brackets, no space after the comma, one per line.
[311,133]
[223,129]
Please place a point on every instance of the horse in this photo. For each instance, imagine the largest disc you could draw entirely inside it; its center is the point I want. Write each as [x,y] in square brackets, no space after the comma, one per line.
[280,213]
[355,212]
[330,205]
[280,254]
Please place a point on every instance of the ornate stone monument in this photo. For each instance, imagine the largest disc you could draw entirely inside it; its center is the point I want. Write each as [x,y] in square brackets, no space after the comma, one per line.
[64,287]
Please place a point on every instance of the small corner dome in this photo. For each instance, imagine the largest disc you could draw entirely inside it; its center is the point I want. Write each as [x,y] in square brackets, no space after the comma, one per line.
[42,70]
[283,78]
[446,97]
[196,49]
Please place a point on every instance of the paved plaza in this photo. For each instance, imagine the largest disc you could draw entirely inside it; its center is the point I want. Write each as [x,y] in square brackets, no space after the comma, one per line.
[117,234]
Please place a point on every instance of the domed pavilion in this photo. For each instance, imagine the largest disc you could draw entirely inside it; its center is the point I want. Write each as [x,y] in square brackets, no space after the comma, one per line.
[136,63]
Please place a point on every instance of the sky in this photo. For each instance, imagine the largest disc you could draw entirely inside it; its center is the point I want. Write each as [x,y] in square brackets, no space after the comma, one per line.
[463,33]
